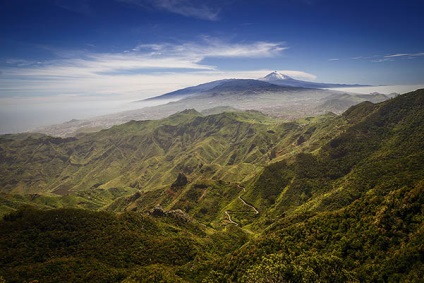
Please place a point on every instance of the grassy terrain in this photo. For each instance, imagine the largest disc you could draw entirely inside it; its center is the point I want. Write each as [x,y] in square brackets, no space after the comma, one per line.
[92,170]
[243,198]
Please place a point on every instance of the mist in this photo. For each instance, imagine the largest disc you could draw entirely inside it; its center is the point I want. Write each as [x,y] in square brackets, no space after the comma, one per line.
[23,116]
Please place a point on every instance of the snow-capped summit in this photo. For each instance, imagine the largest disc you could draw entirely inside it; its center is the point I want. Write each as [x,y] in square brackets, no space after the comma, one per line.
[283,80]
[270,83]
[274,76]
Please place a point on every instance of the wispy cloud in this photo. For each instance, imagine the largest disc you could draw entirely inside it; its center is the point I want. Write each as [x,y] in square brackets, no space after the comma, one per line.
[214,48]
[381,60]
[21,62]
[200,9]
[404,55]
[146,70]
[385,58]
[393,57]
[334,59]
[185,56]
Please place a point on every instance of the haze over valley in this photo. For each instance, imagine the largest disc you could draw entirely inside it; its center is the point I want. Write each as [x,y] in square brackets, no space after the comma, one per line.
[298,99]
[276,95]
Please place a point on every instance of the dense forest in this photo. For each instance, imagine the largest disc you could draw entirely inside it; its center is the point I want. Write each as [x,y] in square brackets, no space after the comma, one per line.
[231,197]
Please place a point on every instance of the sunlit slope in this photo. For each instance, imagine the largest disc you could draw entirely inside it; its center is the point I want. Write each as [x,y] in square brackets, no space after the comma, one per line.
[148,155]
[383,146]
[350,212]
[369,146]
[331,199]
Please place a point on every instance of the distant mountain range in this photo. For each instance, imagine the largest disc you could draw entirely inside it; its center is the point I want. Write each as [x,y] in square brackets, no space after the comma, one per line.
[229,197]
[273,82]
[276,94]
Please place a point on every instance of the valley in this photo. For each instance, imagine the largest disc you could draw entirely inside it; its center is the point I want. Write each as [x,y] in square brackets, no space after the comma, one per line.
[285,98]
[204,141]
[237,196]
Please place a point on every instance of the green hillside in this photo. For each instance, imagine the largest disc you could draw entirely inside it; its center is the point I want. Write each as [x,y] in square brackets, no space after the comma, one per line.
[93,169]
[231,197]
[351,212]
[70,245]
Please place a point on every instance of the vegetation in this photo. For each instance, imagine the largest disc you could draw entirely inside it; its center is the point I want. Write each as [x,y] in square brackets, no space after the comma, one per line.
[70,245]
[233,197]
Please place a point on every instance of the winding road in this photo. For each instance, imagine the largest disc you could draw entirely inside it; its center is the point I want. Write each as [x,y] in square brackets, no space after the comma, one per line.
[227,212]
[229,218]
[249,205]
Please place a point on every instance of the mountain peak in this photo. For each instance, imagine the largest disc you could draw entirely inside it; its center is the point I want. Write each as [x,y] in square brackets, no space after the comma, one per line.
[276,76]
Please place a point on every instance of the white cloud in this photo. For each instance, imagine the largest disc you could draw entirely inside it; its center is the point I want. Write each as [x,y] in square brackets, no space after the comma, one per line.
[146,71]
[187,56]
[385,58]
[123,86]
[199,9]
[393,57]
[214,48]
[299,75]
[381,60]
[404,55]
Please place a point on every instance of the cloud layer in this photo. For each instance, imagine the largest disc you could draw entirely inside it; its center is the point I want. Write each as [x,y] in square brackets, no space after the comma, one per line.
[144,71]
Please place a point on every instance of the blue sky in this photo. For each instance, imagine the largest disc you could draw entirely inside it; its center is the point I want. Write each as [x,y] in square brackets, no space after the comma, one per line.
[103,49]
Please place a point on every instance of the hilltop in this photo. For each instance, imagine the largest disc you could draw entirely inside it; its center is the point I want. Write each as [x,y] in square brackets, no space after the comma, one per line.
[242,196]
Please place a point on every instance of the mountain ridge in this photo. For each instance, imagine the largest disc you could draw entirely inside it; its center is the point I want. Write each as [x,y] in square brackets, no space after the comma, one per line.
[340,198]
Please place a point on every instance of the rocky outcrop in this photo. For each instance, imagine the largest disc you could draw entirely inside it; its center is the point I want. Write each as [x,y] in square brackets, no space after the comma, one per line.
[180,182]
[178,214]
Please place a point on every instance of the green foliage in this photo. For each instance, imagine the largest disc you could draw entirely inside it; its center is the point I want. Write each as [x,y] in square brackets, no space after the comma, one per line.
[32,237]
[355,204]
[341,199]
[146,156]
[139,155]
[154,274]
[303,268]
[70,245]
[66,270]
[207,200]
[376,238]
[270,184]
[181,181]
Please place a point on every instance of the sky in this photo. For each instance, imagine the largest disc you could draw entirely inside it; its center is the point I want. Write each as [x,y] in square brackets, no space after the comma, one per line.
[81,50]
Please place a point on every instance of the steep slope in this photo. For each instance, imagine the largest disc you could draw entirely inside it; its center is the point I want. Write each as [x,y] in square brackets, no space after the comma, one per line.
[328,199]
[90,170]
[69,245]
[351,212]
[380,138]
